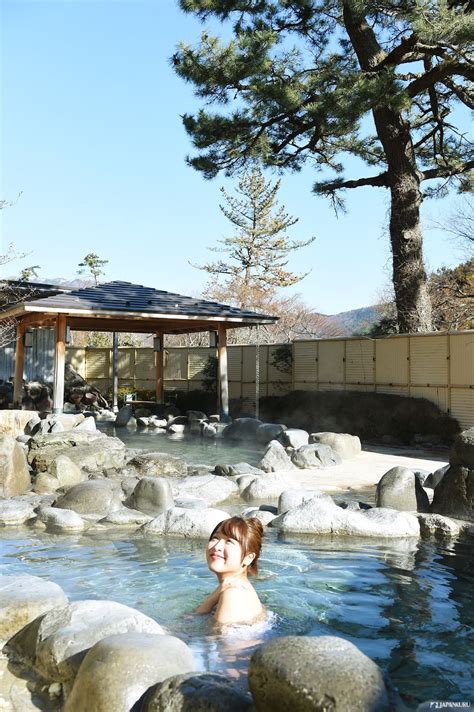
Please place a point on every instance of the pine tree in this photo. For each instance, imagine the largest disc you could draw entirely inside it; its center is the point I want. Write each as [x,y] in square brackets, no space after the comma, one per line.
[257,253]
[297,81]
[92,264]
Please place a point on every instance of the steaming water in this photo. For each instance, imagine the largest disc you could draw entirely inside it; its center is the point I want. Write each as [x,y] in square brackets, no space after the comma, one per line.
[406,604]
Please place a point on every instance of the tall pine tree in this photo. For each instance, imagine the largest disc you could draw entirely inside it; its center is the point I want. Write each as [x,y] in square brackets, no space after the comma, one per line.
[296,81]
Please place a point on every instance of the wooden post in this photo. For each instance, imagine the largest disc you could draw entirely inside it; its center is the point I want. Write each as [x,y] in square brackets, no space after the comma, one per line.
[59,363]
[159,368]
[222,368]
[19,365]
[115,371]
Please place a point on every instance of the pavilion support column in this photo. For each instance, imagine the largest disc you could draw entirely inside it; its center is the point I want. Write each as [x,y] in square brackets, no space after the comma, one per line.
[159,367]
[59,364]
[222,371]
[19,365]
[115,371]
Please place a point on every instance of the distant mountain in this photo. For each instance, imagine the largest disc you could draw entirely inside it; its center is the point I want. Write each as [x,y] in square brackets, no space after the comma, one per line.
[355,320]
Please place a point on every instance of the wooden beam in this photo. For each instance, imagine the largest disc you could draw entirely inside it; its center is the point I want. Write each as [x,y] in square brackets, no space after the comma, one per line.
[36,320]
[115,372]
[159,368]
[222,368]
[19,364]
[59,364]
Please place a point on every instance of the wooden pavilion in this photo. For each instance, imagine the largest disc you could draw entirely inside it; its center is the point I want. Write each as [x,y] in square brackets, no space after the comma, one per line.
[122,307]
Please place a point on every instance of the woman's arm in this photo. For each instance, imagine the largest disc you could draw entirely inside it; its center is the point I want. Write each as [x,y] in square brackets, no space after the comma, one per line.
[230,608]
[210,602]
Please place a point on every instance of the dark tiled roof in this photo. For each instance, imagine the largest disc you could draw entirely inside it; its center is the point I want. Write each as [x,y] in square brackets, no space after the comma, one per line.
[127,297]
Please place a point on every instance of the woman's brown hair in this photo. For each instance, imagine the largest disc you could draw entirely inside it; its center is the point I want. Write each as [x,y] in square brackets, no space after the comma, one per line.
[249,534]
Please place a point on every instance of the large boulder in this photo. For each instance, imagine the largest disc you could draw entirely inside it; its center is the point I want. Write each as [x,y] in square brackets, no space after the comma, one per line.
[454,495]
[13,422]
[157,464]
[345,445]
[23,598]
[65,471]
[204,692]
[321,515]
[14,472]
[275,458]
[15,511]
[60,520]
[267,487]
[126,518]
[55,644]
[293,497]
[315,456]
[123,416]
[462,451]
[237,470]
[293,437]
[95,497]
[316,674]
[210,487]
[91,452]
[269,431]
[119,669]
[188,523]
[433,479]
[152,495]
[438,526]
[400,489]
[242,429]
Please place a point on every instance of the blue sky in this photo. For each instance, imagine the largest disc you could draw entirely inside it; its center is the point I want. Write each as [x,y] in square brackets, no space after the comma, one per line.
[92,137]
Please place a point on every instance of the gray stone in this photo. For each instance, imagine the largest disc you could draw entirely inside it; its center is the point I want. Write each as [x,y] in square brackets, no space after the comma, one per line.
[345,445]
[143,422]
[269,431]
[23,439]
[320,515]
[89,451]
[14,472]
[294,437]
[462,451]
[255,513]
[212,488]
[15,511]
[454,495]
[195,415]
[209,431]
[433,480]
[88,425]
[399,489]
[14,422]
[55,644]
[305,674]
[177,429]
[243,481]
[242,429]
[240,468]
[123,416]
[96,497]
[63,520]
[152,495]
[126,518]
[33,425]
[268,487]
[66,472]
[438,526]
[315,456]
[275,458]
[191,503]
[188,523]
[204,692]
[119,669]
[291,498]
[23,598]
[157,464]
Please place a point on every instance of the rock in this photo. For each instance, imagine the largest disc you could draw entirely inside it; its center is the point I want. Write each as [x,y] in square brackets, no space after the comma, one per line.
[421,476]
[203,692]
[33,425]
[320,515]
[14,422]
[123,416]
[143,422]
[63,520]
[152,495]
[96,497]
[345,445]
[66,472]
[275,458]
[212,488]
[454,495]
[399,489]
[200,470]
[269,431]
[293,437]
[208,431]
[315,456]
[88,425]
[189,523]
[462,451]
[291,498]
[89,451]
[242,429]
[23,598]
[240,468]
[316,674]
[55,644]
[438,526]
[269,486]
[154,422]
[119,669]
[190,503]
[14,512]
[195,415]
[176,429]
[126,518]
[254,513]
[433,480]
[157,464]
[14,472]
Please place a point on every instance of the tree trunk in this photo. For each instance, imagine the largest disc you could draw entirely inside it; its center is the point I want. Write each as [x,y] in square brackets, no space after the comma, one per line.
[409,275]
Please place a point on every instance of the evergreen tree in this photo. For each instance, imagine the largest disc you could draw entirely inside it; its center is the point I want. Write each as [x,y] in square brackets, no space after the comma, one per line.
[257,253]
[92,264]
[299,77]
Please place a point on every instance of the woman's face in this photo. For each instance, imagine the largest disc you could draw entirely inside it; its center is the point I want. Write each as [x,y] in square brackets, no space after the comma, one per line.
[224,555]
